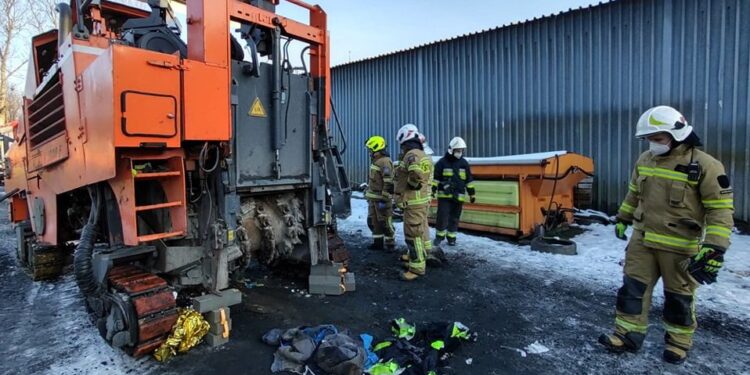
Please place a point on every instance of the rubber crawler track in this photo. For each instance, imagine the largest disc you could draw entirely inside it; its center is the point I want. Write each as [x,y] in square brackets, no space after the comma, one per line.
[153,303]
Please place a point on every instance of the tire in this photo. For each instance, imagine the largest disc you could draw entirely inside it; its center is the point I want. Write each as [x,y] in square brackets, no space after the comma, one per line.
[554,246]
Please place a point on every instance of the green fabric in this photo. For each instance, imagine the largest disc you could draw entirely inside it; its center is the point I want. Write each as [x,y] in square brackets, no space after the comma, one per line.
[460,331]
[382,345]
[438,344]
[402,329]
[387,368]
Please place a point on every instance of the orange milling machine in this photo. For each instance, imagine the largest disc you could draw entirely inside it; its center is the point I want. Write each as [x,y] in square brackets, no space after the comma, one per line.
[168,165]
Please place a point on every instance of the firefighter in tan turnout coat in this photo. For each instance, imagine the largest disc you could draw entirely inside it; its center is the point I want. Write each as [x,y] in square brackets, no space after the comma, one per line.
[413,195]
[379,194]
[680,205]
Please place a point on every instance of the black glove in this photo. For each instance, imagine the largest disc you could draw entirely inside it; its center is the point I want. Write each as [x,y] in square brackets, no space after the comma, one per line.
[472,198]
[704,267]
[418,187]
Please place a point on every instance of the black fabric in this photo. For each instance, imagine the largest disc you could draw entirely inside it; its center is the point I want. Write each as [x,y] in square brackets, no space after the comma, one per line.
[453,185]
[417,356]
[411,145]
[448,215]
[677,309]
[630,296]
[723,181]
[339,354]
[633,340]
[692,140]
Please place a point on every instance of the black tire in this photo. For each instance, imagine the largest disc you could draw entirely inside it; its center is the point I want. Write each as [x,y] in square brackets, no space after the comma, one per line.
[554,246]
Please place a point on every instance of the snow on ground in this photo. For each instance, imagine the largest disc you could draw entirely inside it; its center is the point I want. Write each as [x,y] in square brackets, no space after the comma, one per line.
[598,263]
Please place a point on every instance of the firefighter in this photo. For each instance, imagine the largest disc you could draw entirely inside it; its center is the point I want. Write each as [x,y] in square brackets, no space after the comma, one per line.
[379,195]
[451,183]
[413,187]
[680,204]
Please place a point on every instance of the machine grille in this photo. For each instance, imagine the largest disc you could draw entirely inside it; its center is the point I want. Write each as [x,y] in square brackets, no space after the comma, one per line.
[47,114]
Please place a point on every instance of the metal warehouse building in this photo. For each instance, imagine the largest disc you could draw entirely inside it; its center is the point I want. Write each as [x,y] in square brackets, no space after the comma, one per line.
[575,81]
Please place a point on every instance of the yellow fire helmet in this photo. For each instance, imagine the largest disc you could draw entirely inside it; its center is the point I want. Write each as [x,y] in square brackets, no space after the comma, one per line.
[375,143]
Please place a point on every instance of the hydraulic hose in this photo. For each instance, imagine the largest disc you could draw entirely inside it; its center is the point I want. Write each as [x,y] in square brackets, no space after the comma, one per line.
[82,256]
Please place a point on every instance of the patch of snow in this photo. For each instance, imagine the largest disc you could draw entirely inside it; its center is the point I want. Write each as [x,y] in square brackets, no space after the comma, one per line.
[597,263]
[521,159]
[536,348]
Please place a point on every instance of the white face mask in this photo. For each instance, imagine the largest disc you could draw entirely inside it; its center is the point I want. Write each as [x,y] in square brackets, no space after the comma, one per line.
[457,154]
[658,148]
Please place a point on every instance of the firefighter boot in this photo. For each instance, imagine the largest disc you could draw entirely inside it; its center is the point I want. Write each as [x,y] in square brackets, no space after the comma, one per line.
[674,353]
[410,275]
[390,244]
[620,343]
[439,237]
[436,257]
[451,239]
[377,244]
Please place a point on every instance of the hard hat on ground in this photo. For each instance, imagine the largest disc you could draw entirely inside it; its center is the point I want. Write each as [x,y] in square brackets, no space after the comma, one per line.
[663,119]
[456,143]
[407,132]
[375,143]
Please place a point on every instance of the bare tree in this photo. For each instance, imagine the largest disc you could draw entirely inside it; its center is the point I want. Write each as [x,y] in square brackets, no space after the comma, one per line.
[42,15]
[11,24]
[18,19]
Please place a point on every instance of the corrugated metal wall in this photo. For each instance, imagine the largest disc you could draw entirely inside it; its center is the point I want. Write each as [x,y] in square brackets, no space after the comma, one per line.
[576,81]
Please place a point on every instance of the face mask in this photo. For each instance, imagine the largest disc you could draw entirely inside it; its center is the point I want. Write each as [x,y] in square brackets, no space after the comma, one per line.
[457,154]
[658,148]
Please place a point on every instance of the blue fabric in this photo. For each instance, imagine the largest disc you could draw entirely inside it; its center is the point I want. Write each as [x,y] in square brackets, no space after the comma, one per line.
[320,332]
[372,358]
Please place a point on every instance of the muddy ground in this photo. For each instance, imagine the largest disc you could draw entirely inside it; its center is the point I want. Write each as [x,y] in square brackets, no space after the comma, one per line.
[45,329]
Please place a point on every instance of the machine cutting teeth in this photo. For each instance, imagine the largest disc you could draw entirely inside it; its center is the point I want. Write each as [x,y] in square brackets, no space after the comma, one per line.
[172,165]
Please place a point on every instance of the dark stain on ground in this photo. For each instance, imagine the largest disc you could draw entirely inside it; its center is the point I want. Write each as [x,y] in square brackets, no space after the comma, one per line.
[509,307]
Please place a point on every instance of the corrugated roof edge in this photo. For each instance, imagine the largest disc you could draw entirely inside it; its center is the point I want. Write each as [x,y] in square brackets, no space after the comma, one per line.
[470,34]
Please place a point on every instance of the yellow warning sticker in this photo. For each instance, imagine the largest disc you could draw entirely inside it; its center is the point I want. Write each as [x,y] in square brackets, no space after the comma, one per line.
[257,109]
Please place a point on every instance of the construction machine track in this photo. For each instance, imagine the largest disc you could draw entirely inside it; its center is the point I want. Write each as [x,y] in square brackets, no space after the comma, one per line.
[146,308]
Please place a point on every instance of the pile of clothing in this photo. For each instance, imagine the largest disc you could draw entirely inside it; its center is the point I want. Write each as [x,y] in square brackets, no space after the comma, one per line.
[419,350]
[325,349]
[319,350]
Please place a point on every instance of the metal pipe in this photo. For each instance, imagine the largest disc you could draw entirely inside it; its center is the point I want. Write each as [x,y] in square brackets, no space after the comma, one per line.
[79,17]
[278,140]
[65,22]
[305,5]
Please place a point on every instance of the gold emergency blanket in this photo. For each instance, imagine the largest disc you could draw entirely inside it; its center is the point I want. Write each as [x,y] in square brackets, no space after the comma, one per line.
[187,332]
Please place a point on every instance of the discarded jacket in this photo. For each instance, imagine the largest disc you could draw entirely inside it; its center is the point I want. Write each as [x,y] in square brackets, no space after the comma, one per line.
[419,350]
[187,332]
[322,348]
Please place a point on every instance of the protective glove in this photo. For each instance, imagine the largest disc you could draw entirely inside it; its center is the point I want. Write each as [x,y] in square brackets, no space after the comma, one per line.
[381,205]
[620,228]
[704,267]
[418,187]
[472,198]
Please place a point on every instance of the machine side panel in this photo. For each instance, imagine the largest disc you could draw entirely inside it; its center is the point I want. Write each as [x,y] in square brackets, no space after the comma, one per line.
[256,158]
[146,98]
[207,109]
